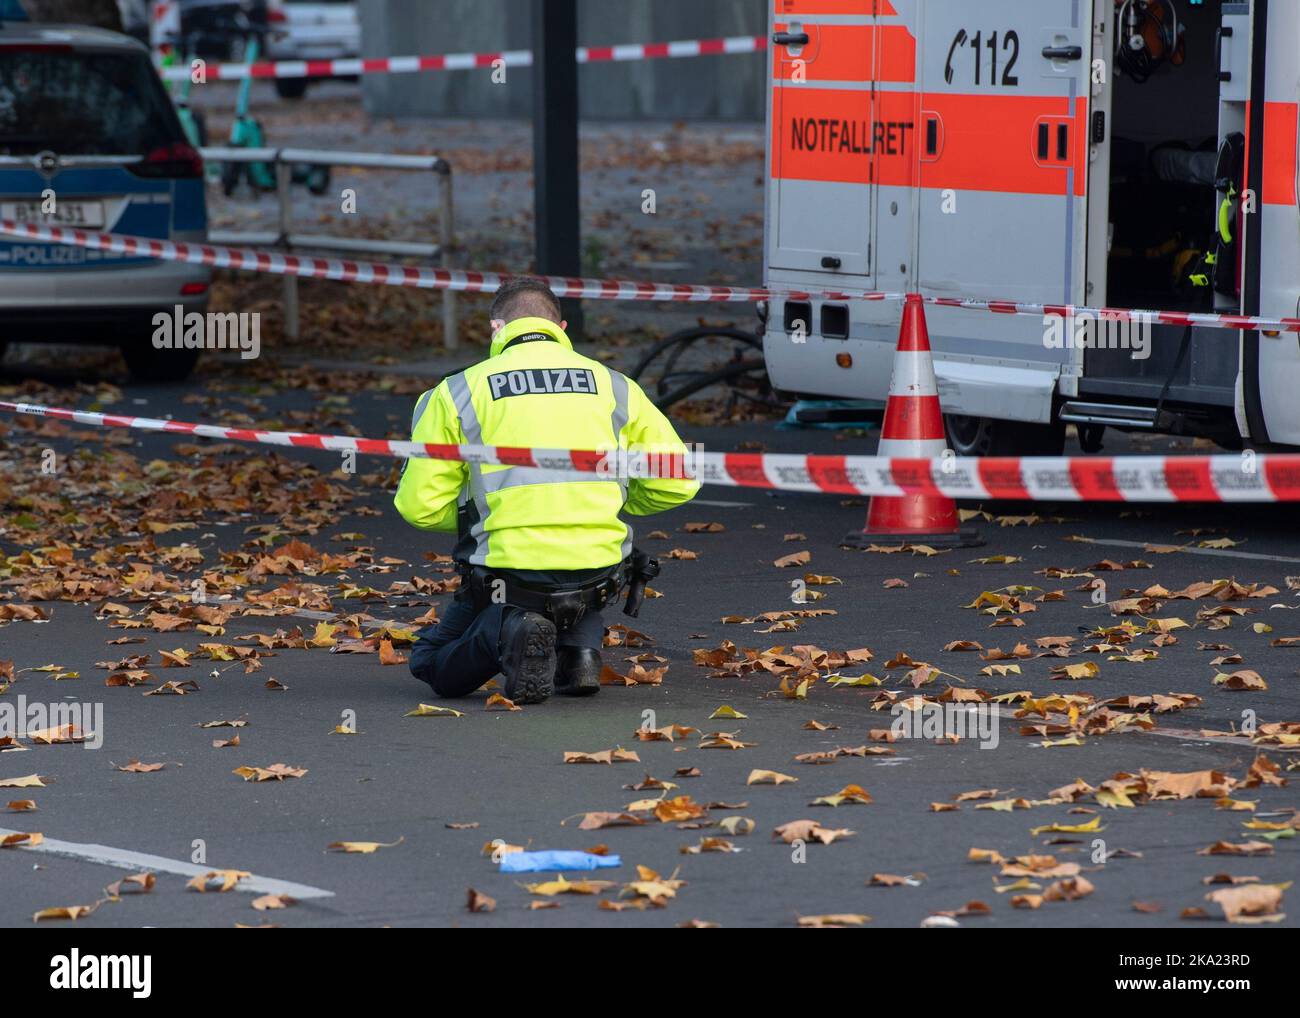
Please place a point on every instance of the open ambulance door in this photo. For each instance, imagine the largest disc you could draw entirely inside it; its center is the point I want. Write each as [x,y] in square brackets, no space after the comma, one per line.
[1269,406]
[1168,230]
[1001,108]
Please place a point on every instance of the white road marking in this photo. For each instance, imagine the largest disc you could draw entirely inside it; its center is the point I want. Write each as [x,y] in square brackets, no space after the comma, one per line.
[126,860]
[1215,552]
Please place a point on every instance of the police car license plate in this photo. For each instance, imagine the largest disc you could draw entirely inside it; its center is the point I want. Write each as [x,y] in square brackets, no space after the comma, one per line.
[64,213]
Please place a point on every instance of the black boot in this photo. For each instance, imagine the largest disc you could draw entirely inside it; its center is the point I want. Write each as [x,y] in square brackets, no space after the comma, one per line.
[527,656]
[577,671]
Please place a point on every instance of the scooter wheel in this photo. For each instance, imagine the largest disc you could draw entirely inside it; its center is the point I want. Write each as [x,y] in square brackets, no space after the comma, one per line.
[230,174]
[318,180]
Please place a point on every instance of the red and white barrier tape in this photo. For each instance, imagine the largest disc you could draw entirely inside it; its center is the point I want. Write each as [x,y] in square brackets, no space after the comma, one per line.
[431,277]
[1229,478]
[468,61]
[347,270]
[1201,318]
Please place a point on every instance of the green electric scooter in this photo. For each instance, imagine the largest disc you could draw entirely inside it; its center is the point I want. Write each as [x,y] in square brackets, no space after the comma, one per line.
[246,132]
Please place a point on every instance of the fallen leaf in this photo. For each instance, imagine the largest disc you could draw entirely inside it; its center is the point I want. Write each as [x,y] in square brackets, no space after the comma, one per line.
[362,847]
[276,772]
[426,710]
[605,756]
[809,830]
[227,879]
[136,767]
[1247,901]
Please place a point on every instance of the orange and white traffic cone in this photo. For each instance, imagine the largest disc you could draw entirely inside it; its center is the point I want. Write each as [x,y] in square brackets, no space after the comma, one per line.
[913,429]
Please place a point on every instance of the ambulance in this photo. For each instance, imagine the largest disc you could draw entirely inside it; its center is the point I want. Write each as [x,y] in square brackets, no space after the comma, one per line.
[1100,153]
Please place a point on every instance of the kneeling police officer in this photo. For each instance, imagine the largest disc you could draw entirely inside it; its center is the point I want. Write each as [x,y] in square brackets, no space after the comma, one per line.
[539,553]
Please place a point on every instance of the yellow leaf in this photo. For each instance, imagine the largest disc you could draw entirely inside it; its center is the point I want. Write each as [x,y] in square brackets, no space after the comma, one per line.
[1082,670]
[27,781]
[759,777]
[362,847]
[736,825]
[1088,828]
[561,886]
[426,710]
[228,879]
[849,793]
[324,636]
[844,680]
[838,920]
[64,912]
[1071,740]
[1113,798]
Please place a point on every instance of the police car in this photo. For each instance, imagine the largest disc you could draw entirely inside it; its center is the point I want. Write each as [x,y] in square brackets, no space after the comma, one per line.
[89,139]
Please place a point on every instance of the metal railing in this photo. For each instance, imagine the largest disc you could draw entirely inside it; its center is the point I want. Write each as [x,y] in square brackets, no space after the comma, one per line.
[286,239]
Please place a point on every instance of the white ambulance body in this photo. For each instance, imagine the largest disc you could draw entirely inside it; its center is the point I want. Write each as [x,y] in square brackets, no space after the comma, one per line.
[997,149]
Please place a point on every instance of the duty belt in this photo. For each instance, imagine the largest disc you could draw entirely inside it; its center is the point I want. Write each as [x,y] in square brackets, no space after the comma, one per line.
[564,607]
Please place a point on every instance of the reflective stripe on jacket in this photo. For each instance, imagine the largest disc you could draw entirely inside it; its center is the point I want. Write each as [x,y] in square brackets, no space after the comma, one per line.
[535,391]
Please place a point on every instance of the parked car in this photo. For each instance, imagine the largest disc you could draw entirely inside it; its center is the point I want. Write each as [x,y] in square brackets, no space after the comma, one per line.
[135,18]
[311,30]
[208,27]
[89,138]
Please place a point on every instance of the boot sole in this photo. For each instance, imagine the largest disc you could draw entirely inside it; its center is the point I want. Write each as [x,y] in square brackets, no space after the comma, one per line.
[579,689]
[534,677]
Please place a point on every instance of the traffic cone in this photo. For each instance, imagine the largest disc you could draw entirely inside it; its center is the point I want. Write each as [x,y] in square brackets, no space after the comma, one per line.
[913,429]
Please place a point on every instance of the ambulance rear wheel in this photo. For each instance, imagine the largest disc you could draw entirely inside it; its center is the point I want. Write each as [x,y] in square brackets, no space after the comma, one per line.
[987,436]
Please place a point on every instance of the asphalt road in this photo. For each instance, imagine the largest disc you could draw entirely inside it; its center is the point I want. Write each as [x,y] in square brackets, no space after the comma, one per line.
[403,781]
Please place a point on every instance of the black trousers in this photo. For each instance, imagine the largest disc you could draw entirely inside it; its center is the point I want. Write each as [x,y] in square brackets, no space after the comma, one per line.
[461,652]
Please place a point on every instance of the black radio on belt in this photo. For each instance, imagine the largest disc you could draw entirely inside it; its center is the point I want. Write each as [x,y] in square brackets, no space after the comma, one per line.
[641,568]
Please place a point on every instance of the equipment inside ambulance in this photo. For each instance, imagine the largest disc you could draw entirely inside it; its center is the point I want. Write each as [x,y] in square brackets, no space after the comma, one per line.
[1147,34]
[1130,154]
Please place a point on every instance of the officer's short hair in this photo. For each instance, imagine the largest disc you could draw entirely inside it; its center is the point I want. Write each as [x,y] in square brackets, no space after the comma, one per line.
[525,297]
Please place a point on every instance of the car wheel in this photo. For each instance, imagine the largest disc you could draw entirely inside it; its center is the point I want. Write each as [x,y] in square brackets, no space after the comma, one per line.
[290,88]
[986,436]
[149,365]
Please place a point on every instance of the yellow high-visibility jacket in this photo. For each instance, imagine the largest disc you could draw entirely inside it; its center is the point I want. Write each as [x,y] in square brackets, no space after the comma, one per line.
[534,390]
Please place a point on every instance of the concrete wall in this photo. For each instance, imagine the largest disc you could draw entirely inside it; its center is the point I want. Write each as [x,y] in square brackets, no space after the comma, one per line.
[726,87]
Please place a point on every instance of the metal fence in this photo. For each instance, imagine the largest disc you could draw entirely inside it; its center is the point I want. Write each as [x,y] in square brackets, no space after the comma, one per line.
[286,239]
